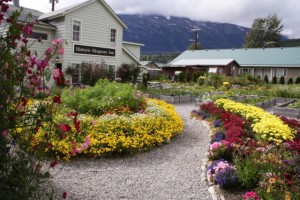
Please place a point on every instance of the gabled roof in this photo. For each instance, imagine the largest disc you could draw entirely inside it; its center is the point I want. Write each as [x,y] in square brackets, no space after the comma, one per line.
[202,62]
[29,15]
[256,57]
[66,10]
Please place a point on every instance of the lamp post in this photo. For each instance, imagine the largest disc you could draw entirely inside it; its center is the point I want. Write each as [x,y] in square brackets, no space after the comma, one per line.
[196,36]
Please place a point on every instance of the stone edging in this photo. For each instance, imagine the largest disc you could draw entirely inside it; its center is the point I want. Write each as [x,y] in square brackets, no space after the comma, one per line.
[213,189]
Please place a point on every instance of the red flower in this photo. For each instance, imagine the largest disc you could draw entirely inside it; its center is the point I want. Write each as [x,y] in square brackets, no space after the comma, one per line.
[53,163]
[64,196]
[57,99]
[65,128]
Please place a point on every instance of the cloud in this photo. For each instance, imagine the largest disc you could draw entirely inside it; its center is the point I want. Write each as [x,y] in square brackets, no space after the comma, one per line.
[241,12]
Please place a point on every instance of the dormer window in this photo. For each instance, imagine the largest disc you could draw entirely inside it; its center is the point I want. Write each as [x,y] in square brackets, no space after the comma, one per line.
[76,30]
[113,37]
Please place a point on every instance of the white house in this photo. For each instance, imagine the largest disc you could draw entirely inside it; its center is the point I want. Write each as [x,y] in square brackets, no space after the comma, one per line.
[92,31]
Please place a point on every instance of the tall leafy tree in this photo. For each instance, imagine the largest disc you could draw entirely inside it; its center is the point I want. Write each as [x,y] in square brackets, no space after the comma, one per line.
[265,32]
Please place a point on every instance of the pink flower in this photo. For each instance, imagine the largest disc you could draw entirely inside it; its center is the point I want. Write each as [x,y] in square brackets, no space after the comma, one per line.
[94,123]
[56,73]
[215,145]
[60,51]
[49,50]
[57,42]
[4,133]
[32,60]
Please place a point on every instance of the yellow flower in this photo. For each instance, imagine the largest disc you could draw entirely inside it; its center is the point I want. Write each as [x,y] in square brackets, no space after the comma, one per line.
[287,196]
[268,189]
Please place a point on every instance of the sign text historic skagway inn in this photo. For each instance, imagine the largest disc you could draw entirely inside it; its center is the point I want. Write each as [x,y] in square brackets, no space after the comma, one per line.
[80,49]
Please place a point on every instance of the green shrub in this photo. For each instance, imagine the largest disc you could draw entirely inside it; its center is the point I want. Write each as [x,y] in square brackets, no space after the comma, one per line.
[266,79]
[104,97]
[290,81]
[248,172]
[92,72]
[297,81]
[274,80]
[128,73]
[213,79]
[281,80]
[181,77]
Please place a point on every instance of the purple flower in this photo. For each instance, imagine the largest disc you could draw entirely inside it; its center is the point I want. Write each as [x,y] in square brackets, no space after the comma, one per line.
[219,136]
[217,123]
[227,178]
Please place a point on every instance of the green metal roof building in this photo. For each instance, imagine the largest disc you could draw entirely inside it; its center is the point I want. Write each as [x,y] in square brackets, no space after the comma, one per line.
[283,61]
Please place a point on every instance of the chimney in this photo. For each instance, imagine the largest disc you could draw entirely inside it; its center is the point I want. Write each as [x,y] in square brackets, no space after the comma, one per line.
[16,3]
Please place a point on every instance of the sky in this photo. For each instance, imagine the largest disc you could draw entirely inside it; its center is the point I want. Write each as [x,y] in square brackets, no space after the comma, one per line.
[240,12]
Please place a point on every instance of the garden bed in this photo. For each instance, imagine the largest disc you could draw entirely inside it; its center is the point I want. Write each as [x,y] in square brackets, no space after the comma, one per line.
[251,151]
[281,107]
[174,99]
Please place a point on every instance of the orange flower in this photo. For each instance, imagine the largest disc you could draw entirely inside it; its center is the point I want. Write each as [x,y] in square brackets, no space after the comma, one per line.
[272,180]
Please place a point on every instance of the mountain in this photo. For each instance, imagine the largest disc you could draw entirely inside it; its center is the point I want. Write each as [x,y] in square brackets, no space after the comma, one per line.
[174,34]
[290,43]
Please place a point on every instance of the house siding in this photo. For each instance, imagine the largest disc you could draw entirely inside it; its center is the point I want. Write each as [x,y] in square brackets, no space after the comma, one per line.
[126,58]
[134,49]
[94,33]
[40,47]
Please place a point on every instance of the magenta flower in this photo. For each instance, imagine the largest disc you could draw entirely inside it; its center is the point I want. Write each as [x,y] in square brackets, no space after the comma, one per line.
[27,29]
[251,196]
[49,50]
[42,64]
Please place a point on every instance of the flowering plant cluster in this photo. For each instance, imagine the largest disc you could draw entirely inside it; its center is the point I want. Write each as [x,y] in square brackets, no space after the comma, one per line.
[110,133]
[266,126]
[223,173]
[253,157]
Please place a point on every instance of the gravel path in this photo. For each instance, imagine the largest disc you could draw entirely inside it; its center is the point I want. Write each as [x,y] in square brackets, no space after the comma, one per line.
[171,171]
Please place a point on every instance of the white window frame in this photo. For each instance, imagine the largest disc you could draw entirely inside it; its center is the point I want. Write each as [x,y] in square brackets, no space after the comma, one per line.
[281,72]
[248,70]
[75,65]
[29,37]
[212,69]
[80,30]
[111,37]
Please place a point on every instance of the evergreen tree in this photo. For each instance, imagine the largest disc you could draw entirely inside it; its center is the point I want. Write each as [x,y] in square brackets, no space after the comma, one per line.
[290,81]
[281,80]
[274,80]
[266,79]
